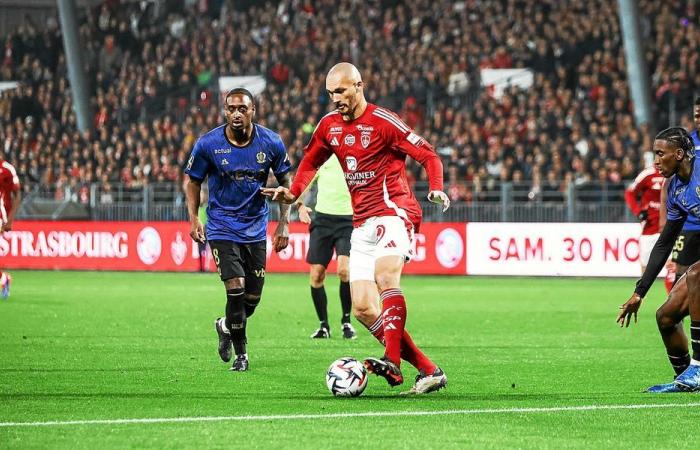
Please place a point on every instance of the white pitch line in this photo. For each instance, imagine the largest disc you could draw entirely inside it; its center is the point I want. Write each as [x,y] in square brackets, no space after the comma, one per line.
[451,412]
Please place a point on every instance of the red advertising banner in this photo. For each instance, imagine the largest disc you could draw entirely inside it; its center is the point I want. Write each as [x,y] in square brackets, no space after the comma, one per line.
[154,246]
[440,248]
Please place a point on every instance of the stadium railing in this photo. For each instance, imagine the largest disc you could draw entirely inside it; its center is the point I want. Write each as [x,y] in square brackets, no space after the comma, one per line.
[491,202]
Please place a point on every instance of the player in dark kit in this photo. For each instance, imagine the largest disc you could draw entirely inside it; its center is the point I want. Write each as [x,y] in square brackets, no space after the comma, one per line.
[371,144]
[675,159]
[237,157]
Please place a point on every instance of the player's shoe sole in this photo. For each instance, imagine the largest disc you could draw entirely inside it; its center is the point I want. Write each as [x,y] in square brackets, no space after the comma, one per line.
[428,383]
[240,365]
[384,368]
[225,344]
[668,388]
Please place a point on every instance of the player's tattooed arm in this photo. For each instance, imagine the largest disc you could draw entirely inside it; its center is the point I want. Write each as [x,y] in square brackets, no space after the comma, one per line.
[280,239]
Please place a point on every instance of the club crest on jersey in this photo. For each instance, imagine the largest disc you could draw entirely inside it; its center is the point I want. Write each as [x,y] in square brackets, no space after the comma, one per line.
[351,163]
[260,157]
[697,191]
[365,138]
[349,140]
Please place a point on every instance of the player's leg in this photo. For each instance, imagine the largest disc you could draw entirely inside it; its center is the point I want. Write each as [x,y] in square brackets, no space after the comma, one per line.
[690,378]
[230,328]
[342,250]
[669,319]
[345,297]
[319,255]
[317,278]
[5,280]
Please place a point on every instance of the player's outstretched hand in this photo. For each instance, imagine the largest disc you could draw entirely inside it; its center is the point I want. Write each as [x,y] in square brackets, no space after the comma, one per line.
[197,231]
[280,239]
[304,214]
[279,194]
[441,198]
[628,310]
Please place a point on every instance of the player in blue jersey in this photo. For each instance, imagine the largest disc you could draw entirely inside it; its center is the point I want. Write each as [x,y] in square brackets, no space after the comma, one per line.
[237,158]
[675,159]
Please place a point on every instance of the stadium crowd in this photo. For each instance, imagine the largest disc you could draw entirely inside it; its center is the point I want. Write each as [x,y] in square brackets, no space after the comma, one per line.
[152,70]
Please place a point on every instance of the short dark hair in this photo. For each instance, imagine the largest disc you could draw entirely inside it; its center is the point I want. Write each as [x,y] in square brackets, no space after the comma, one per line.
[680,138]
[241,90]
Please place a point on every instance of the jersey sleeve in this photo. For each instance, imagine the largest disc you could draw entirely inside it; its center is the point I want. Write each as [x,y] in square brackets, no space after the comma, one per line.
[198,164]
[280,162]
[632,194]
[401,138]
[316,153]
[673,212]
[14,183]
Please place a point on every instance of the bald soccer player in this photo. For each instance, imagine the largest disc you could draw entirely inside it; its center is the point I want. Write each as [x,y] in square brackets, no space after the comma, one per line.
[371,144]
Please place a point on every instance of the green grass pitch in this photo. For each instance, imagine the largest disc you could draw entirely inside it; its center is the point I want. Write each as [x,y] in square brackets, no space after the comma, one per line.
[525,358]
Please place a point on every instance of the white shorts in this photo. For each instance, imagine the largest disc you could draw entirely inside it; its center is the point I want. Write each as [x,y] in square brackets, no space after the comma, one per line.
[646,243]
[378,237]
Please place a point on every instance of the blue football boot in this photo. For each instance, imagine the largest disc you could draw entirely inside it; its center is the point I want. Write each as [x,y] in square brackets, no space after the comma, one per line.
[667,388]
[689,380]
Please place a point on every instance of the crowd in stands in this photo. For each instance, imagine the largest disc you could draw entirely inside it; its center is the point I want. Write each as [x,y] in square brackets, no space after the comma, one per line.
[152,71]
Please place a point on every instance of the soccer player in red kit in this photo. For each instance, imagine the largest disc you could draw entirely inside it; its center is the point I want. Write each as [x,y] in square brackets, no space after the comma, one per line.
[371,144]
[643,197]
[10,197]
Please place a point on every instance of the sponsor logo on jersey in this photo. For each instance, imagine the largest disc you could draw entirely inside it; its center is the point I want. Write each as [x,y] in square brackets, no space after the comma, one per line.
[334,141]
[359,178]
[335,130]
[365,127]
[349,140]
[222,151]
[260,157]
[414,139]
[351,163]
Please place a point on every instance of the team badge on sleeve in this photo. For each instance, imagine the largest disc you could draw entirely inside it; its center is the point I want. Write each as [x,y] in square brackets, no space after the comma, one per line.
[414,139]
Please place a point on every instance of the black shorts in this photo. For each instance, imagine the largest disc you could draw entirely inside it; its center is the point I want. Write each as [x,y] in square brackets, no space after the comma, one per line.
[328,232]
[247,261]
[686,251]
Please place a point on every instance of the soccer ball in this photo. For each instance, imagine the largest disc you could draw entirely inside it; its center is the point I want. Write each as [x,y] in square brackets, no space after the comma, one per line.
[346,377]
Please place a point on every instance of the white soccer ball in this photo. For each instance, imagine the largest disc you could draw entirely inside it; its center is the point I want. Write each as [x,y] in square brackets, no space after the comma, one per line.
[346,377]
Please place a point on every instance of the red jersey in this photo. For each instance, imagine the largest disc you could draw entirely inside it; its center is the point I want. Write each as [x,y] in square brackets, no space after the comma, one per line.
[645,194]
[372,151]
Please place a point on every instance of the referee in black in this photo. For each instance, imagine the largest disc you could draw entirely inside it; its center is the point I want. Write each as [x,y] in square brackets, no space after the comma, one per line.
[330,229]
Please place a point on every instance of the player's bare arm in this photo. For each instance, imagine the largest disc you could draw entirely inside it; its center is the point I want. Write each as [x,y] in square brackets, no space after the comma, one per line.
[194,188]
[280,238]
[659,256]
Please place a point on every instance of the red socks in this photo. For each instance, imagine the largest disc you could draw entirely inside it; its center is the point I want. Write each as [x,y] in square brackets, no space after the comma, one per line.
[393,321]
[407,348]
